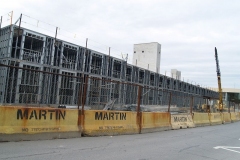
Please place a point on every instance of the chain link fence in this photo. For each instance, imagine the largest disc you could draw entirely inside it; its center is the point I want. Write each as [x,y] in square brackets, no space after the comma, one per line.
[39,86]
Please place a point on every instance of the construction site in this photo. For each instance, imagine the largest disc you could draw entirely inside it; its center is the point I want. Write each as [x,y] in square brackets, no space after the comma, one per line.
[37,69]
[51,88]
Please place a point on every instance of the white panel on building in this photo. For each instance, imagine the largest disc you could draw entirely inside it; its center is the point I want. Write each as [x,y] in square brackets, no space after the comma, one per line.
[147,55]
[176,74]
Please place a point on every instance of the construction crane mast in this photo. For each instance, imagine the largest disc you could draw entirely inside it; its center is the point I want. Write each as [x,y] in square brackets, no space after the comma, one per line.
[220,107]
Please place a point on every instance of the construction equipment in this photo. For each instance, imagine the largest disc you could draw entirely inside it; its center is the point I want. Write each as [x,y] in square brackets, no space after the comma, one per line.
[220,104]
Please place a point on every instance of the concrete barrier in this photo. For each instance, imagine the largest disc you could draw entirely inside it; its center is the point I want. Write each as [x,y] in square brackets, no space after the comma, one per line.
[201,119]
[18,123]
[226,117]
[155,121]
[100,123]
[215,118]
[234,116]
[179,121]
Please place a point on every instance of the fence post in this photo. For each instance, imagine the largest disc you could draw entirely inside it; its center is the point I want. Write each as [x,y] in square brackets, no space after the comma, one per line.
[82,99]
[170,99]
[191,106]
[228,106]
[84,93]
[139,114]
[80,118]
[80,92]
[234,106]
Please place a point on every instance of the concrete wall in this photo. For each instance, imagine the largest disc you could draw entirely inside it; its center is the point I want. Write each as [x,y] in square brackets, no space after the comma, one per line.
[147,56]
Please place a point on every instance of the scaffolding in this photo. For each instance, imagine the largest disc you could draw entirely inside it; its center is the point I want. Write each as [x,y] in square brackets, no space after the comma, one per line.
[51,71]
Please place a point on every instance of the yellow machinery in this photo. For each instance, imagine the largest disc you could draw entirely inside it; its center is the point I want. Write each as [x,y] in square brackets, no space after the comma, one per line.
[220,104]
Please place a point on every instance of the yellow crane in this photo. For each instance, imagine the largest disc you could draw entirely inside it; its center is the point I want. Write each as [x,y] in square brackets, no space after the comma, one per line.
[220,104]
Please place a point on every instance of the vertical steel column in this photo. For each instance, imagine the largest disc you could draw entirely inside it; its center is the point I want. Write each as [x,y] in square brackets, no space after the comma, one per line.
[84,94]
[22,45]
[40,84]
[108,64]
[82,79]
[55,39]
[170,99]
[19,78]
[228,106]
[61,56]
[74,88]
[59,86]
[139,115]
[53,44]
[234,106]
[43,51]
[191,106]
[83,100]
[11,18]
[77,58]
[80,91]
[0,24]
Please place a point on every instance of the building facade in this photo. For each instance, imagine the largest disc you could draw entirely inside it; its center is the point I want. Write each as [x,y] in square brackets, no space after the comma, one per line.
[147,56]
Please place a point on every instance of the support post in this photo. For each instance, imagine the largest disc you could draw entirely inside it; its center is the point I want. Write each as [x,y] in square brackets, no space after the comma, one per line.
[11,18]
[80,92]
[234,106]
[170,99]
[55,36]
[139,115]
[108,66]
[81,82]
[19,24]
[228,106]
[84,94]
[0,24]
[191,106]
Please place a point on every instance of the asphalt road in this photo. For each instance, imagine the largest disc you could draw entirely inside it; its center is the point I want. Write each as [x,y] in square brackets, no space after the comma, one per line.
[219,142]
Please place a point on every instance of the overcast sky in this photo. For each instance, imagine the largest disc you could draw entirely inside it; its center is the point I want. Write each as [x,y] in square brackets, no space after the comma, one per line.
[188,31]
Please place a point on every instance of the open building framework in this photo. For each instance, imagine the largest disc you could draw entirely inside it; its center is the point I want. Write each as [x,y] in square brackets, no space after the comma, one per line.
[24,48]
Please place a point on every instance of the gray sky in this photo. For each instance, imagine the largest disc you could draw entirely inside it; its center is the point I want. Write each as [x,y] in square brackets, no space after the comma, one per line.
[188,31]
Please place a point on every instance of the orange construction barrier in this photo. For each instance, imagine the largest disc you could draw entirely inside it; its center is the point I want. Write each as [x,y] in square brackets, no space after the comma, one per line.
[155,121]
[201,119]
[226,117]
[215,118]
[234,116]
[18,123]
[101,122]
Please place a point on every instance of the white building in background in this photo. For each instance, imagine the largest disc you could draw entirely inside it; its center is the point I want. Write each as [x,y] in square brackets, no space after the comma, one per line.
[176,74]
[147,56]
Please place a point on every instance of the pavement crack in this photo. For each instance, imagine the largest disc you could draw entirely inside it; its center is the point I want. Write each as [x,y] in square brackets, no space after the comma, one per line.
[205,157]
[188,148]
[30,155]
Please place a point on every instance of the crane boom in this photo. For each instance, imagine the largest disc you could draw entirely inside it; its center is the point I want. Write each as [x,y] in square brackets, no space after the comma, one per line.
[219,82]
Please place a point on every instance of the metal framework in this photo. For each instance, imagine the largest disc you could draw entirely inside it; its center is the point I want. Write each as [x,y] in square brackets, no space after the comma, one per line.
[24,48]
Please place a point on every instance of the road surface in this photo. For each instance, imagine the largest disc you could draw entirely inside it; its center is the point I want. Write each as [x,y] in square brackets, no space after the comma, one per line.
[219,142]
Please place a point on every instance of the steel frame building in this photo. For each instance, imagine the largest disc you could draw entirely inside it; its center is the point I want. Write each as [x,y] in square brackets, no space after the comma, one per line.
[28,49]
